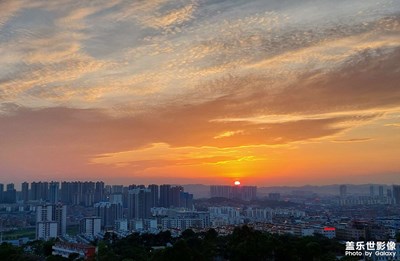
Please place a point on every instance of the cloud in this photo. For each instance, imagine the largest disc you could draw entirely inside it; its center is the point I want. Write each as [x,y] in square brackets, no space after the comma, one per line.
[352,140]
[393,125]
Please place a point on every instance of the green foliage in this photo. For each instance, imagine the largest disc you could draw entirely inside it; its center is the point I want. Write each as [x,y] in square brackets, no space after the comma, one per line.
[56,258]
[244,243]
[11,253]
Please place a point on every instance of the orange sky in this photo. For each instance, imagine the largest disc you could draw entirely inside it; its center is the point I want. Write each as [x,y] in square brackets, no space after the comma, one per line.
[269,93]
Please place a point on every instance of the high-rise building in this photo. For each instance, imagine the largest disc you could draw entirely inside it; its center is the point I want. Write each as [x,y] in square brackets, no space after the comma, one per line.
[220,191]
[248,192]
[164,196]
[153,195]
[99,191]
[60,216]
[90,226]
[108,212]
[343,191]
[10,195]
[175,196]
[117,189]
[116,198]
[46,230]
[51,221]
[1,192]
[39,191]
[54,188]
[186,200]
[234,192]
[371,191]
[139,203]
[380,191]
[396,194]
[65,192]
[25,191]
[389,193]
[274,196]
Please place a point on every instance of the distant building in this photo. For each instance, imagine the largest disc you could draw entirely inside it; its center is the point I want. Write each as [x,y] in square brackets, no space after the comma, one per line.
[1,192]
[109,213]
[25,191]
[223,216]
[329,232]
[396,194]
[51,221]
[153,195]
[121,225]
[10,195]
[220,191]
[164,196]
[234,192]
[186,219]
[274,196]
[53,195]
[66,249]
[90,226]
[46,230]
[170,197]
[389,193]
[39,191]
[372,190]
[343,191]
[259,214]
[381,191]
[139,203]
[175,196]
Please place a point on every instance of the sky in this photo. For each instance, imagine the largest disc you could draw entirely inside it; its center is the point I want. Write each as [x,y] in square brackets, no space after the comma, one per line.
[270,92]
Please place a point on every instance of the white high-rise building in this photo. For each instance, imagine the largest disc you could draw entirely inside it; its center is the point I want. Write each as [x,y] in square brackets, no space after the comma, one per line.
[50,217]
[46,230]
[90,226]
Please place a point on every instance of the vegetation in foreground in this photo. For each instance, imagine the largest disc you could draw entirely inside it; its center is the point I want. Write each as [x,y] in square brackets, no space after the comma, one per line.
[243,244]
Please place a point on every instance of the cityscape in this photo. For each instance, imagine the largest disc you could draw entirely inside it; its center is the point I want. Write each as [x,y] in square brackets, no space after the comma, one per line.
[78,213]
[200,130]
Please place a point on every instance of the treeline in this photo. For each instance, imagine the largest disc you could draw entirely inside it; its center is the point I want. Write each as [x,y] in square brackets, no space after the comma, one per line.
[244,243]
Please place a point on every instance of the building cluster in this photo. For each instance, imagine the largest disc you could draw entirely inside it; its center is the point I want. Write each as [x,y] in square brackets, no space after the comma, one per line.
[117,208]
[96,208]
[377,195]
[234,192]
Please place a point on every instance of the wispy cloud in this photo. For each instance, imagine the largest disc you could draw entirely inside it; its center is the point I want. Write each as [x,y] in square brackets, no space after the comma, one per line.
[352,140]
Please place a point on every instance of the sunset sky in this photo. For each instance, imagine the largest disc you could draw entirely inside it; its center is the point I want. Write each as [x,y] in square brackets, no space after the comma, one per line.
[205,91]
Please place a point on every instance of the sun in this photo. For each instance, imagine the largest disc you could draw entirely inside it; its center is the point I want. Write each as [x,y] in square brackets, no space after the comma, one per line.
[237,183]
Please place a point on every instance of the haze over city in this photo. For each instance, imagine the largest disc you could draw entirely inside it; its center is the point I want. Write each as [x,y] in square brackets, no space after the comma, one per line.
[263,92]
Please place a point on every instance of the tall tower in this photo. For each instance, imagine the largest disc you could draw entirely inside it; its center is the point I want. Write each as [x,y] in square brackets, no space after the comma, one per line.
[10,195]
[175,196]
[53,195]
[51,221]
[164,196]
[109,213]
[25,191]
[153,195]
[139,203]
[396,194]
[1,192]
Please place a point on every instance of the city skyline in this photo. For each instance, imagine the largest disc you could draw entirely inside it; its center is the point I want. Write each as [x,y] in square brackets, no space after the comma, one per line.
[200,92]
